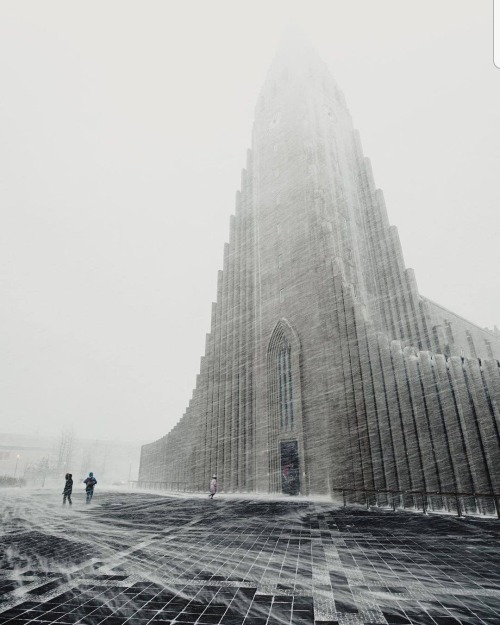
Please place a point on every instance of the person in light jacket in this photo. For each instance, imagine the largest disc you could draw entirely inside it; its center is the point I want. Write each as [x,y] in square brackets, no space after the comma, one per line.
[213,486]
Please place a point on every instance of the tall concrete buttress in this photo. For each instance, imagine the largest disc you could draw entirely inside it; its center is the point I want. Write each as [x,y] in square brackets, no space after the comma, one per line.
[324,367]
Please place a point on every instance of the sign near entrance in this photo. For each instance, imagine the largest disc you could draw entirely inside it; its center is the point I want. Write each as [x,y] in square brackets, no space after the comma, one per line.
[290,475]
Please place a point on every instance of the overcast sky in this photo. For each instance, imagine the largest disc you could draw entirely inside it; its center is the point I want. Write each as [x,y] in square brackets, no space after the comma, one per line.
[123,131]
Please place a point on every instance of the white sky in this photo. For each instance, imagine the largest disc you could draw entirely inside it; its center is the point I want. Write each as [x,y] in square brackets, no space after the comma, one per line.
[123,130]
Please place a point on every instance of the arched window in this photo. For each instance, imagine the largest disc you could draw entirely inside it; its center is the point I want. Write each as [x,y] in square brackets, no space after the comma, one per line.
[284,366]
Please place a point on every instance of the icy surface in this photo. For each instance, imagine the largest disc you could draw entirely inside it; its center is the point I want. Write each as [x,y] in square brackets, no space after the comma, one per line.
[140,558]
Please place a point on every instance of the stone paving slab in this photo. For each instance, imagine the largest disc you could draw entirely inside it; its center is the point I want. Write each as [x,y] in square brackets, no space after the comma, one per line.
[139,558]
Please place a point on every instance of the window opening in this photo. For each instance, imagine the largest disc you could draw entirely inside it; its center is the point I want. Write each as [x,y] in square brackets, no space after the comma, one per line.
[285,386]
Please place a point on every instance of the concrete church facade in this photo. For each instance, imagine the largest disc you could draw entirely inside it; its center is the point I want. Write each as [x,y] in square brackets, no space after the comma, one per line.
[324,367]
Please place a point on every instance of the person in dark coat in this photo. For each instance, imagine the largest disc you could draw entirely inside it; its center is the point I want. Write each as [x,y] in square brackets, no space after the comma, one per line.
[90,482]
[68,488]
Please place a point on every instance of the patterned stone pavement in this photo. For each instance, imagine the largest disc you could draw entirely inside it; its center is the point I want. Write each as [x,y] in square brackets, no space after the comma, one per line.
[137,558]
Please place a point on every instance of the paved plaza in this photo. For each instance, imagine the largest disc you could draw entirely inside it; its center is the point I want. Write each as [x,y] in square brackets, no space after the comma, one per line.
[136,558]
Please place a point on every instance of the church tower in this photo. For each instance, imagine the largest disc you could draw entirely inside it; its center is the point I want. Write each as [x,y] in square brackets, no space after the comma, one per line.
[325,368]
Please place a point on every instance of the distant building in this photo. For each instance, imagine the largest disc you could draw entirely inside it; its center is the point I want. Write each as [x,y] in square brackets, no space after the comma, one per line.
[45,459]
[325,368]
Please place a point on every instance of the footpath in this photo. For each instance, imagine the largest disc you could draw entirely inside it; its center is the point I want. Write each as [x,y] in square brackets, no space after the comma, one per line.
[137,558]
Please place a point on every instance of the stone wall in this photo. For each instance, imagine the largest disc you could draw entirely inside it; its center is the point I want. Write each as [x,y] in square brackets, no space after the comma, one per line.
[373,393]
[459,337]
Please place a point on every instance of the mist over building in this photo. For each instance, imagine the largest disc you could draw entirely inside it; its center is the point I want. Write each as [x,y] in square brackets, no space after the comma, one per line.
[325,368]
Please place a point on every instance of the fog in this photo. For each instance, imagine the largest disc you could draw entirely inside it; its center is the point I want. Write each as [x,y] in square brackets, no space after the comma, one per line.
[124,128]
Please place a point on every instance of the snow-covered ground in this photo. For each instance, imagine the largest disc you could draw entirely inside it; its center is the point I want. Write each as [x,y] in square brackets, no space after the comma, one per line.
[137,557]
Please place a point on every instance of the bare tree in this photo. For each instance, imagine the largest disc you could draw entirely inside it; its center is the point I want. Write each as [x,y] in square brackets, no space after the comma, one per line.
[65,450]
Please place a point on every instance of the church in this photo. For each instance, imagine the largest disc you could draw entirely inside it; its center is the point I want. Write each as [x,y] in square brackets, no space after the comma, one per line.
[325,368]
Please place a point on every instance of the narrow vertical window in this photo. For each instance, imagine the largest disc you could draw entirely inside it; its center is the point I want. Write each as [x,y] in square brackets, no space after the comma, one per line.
[282,296]
[472,347]
[488,349]
[285,386]
[449,331]
[282,384]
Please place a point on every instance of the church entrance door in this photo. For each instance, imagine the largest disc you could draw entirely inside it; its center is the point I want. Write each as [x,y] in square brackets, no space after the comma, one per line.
[290,474]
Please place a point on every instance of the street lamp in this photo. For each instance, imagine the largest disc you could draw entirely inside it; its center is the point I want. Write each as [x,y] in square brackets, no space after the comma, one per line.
[17,461]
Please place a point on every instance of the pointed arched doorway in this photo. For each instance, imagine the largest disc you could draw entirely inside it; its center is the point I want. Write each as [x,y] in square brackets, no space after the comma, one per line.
[287,469]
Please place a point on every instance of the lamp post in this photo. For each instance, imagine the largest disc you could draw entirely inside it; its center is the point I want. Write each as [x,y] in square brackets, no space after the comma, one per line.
[17,461]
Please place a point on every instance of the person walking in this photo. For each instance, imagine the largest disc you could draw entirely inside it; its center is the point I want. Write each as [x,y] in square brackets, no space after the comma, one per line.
[213,486]
[68,489]
[90,482]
